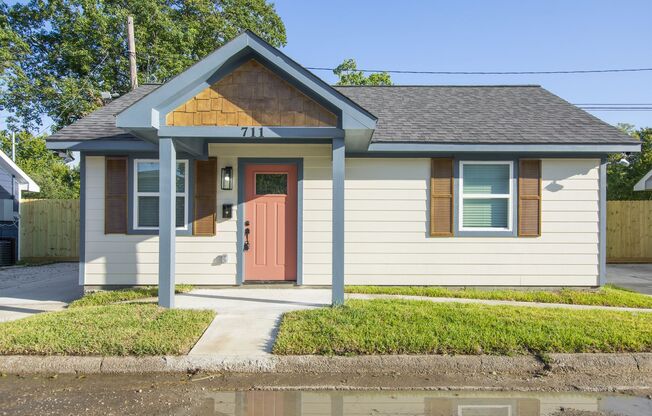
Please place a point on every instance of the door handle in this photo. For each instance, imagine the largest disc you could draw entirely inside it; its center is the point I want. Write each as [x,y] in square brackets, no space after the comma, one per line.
[246,233]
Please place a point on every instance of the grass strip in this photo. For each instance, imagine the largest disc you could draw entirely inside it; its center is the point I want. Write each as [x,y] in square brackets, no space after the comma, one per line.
[383,326]
[106,297]
[608,295]
[121,329]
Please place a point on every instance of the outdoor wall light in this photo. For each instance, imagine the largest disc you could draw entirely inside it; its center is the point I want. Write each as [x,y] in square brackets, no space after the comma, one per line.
[227,178]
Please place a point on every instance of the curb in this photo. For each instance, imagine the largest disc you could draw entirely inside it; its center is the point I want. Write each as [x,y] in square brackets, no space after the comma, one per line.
[599,364]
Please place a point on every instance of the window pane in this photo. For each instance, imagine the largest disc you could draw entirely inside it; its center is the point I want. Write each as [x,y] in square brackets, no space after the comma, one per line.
[148,211]
[147,176]
[181,176]
[486,178]
[485,213]
[181,209]
[271,183]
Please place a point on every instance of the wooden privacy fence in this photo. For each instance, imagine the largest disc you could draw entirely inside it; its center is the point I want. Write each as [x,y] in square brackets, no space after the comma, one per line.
[49,229]
[629,231]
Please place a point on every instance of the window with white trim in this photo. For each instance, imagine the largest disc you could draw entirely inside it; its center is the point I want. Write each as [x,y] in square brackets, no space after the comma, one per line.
[146,194]
[486,196]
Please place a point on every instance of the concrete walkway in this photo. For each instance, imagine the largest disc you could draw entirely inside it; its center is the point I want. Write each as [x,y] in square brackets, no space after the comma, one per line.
[247,318]
[29,290]
[495,302]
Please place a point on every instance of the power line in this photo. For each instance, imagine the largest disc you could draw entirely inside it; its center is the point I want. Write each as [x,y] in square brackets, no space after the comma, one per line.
[614,104]
[574,71]
[67,104]
[616,108]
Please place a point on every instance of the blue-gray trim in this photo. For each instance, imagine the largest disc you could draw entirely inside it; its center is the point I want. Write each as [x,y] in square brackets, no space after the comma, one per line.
[280,135]
[166,214]
[82,218]
[472,155]
[602,225]
[246,140]
[456,203]
[192,147]
[497,147]
[242,162]
[103,145]
[190,201]
[338,221]
[288,133]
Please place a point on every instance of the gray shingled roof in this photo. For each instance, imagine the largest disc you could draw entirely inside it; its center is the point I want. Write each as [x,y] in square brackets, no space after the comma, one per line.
[479,114]
[100,124]
[421,114]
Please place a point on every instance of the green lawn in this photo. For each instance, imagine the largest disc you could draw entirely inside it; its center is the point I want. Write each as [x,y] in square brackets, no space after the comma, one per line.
[106,297]
[119,329]
[420,327]
[606,296]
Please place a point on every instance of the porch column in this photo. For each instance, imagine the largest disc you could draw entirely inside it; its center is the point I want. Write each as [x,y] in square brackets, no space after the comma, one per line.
[338,222]
[166,221]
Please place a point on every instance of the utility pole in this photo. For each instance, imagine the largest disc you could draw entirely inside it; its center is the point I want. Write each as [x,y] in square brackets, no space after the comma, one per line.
[132,53]
[13,146]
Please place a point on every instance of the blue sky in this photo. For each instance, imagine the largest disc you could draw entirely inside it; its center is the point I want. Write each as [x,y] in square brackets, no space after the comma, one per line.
[499,35]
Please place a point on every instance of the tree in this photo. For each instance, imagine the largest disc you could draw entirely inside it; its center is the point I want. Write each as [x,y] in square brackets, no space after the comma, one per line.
[56,179]
[65,52]
[621,179]
[349,74]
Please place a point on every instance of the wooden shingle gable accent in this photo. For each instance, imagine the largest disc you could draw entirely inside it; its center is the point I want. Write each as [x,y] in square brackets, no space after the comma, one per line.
[529,198]
[116,190]
[205,203]
[441,198]
[251,95]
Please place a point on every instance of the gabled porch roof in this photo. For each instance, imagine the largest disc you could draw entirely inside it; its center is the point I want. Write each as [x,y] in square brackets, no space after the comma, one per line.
[146,118]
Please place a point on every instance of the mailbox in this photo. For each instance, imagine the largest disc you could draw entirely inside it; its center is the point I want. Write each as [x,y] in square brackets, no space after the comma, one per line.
[227,210]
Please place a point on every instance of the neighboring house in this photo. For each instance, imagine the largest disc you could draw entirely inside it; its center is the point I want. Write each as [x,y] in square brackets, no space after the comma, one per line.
[645,184]
[12,182]
[270,174]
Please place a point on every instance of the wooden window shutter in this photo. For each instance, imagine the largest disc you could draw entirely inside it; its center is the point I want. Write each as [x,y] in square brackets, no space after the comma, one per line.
[205,197]
[116,191]
[529,198]
[441,198]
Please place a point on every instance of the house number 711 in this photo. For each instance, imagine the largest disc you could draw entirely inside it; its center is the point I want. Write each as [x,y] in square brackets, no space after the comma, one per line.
[251,131]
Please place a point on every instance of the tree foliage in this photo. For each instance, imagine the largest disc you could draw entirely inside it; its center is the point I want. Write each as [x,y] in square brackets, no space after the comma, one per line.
[349,74]
[621,179]
[63,53]
[56,179]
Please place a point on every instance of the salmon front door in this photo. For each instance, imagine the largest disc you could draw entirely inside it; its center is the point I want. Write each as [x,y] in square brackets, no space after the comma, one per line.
[270,222]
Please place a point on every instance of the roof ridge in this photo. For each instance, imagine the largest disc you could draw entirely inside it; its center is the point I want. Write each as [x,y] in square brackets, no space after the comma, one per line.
[444,86]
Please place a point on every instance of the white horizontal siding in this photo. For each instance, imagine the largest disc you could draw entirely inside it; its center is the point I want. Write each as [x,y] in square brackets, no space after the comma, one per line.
[387,223]
[133,259]
[386,229]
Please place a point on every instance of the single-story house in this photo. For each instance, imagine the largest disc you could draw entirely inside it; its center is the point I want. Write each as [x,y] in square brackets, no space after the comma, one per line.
[249,168]
[13,181]
[645,184]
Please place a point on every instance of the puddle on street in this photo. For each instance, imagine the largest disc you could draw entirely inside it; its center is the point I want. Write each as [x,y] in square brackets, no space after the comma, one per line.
[288,403]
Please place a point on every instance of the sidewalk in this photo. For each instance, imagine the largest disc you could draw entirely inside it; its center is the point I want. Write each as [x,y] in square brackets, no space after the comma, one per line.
[495,302]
